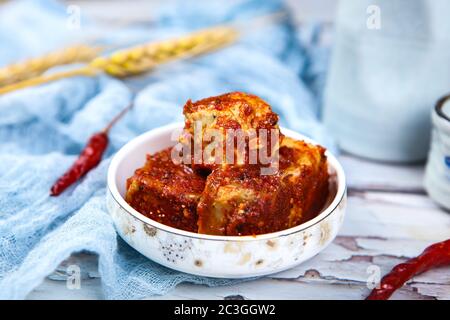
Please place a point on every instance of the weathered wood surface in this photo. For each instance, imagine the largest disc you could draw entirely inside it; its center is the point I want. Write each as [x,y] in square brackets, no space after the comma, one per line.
[389,219]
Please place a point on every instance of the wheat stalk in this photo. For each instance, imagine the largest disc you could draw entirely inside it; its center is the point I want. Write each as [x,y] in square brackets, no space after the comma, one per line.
[33,67]
[143,58]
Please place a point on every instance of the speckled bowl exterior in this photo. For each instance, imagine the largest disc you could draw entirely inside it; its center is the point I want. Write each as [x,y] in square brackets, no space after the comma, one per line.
[217,256]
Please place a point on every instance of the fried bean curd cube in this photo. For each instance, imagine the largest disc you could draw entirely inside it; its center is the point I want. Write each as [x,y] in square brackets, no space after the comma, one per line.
[229,121]
[304,170]
[241,201]
[166,192]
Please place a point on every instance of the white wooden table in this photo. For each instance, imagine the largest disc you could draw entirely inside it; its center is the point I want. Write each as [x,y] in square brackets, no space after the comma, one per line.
[389,218]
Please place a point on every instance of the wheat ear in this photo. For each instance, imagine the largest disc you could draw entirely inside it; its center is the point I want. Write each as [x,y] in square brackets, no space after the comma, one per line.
[33,67]
[143,58]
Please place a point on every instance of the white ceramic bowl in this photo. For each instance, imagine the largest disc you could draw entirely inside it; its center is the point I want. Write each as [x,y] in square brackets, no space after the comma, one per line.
[217,256]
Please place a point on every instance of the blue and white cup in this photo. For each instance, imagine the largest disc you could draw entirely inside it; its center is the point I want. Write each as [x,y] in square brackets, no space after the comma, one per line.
[390,61]
[437,173]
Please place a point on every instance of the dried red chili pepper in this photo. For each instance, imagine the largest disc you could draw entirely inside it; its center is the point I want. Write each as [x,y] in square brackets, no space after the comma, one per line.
[436,255]
[89,158]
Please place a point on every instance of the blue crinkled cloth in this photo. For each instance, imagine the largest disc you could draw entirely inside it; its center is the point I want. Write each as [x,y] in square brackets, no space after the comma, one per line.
[43,129]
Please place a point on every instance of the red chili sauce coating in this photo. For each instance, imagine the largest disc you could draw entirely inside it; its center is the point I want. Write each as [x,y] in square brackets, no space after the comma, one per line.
[166,192]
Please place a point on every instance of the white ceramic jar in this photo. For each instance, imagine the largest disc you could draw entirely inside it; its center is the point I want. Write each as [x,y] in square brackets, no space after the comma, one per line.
[437,173]
[391,62]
